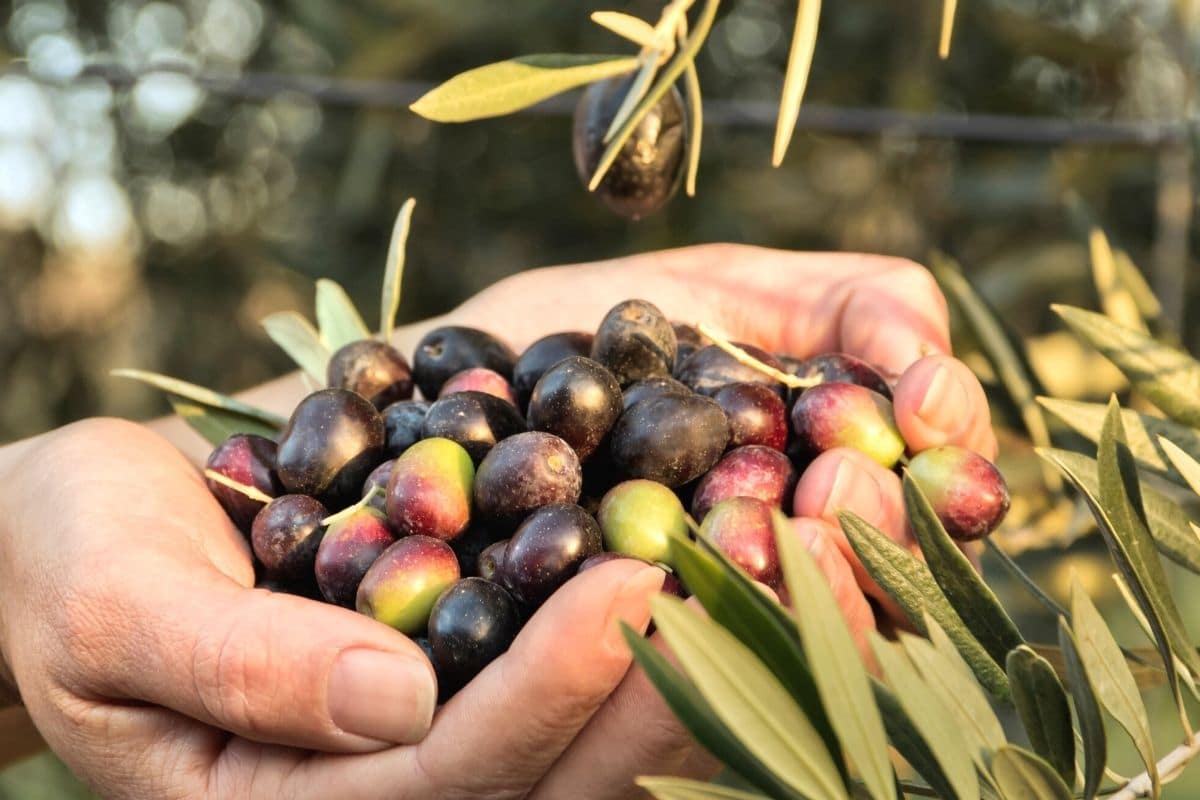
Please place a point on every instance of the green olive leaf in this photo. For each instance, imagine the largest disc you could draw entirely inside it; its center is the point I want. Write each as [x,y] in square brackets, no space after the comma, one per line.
[205,397]
[1041,702]
[695,105]
[393,275]
[1184,462]
[1087,711]
[961,584]
[1109,675]
[1116,300]
[694,712]
[1170,378]
[1142,431]
[947,30]
[795,80]
[299,339]
[909,582]
[507,86]
[836,665]
[626,26]
[925,708]
[1021,775]
[681,789]
[217,425]
[338,319]
[909,743]
[749,700]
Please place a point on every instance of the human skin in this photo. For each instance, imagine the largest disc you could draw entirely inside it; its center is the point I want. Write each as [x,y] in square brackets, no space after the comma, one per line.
[129,628]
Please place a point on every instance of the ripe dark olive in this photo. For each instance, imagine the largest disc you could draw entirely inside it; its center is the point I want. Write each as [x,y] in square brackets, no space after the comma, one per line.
[444,352]
[286,534]
[547,549]
[491,561]
[967,492]
[544,354]
[710,369]
[672,439]
[378,480]
[470,546]
[652,387]
[525,472]
[833,415]
[347,551]
[330,445]
[402,425]
[470,626]
[839,368]
[247,459]
[473,419]
[742,529]
[479,379]
[756,415]
[373,369]
[405,581]
[577,400]
[751,471]
[690,340]
[635,341]
[648,169]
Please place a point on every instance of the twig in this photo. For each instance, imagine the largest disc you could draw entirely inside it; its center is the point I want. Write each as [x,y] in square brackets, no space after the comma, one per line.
[1172,762]
[742,357]
[230,483]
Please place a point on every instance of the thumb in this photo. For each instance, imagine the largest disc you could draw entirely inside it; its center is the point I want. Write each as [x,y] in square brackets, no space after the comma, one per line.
[274,668]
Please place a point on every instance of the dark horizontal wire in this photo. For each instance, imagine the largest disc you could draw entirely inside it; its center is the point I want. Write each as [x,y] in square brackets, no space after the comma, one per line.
[729,113]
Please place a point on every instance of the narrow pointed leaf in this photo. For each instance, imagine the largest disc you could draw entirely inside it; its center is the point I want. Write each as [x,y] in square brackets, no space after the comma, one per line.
[908,581]
[929,715]
[636,91]
[1109,676]
[507,86]
[338,319]
[680,789]
[695,106]
[1142,662]
[216,425]
[749,700]
[205,397]
[1169,377]
[1014,569]
[1143,433]
[908,741]
[1042,704]
[697,716]
[1117,301]
[759,622]
[975,603]
[1169,525]
[629,27]
[393,276]
[836,665]
[1183,461]
[948,9]
[299,339]
[1087,712]
[795,81]
[1120,494]
[1022,775]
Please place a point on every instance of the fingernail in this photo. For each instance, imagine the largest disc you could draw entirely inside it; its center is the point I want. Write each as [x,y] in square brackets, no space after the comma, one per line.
[632,605]
[855,490]
[945,401]
[380,695]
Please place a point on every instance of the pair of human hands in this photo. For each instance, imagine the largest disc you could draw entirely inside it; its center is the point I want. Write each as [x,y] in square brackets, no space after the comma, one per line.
[129,625]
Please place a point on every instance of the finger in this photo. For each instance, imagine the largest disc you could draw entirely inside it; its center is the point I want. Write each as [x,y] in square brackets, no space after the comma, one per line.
[939,401]
[270,667]
[847,480]
[634,733]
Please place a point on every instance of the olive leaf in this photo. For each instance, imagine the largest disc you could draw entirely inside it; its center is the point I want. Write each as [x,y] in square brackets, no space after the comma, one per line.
[1168,523]
[337,318]
[1181,671]
[694,712]
[1041,702]
[695,105]
[975,603]
[1183,461]
[507,86]
[836,665]
[681,789]
[909,582]
[393,275]
[1116,300]
[948,10]
[749,700]
[909,743]
[1142,431]
[627,26]
[217,425]
[929,716]
[1109,675]
[206,398]
[1023,775]
[299,339]
[1087,711]
[636,91]
[1170,378]
[795,81]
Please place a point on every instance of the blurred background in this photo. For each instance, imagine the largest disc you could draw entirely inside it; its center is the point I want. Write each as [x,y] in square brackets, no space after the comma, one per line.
[171,172]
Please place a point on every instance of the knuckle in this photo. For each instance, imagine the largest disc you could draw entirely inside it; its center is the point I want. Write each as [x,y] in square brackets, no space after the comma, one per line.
[231,677]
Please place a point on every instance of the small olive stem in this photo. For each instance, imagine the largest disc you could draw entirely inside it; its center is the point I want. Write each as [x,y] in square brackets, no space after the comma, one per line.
[1171,763]
[742,357]
[346,512]
[230,483]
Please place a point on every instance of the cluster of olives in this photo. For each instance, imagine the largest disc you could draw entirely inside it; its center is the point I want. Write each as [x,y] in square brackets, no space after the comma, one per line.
[453,518]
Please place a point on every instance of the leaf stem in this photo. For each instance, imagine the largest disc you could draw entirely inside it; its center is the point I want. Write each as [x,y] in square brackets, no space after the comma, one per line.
[742,357]
[1172,762]
[230,483]
[346,512]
